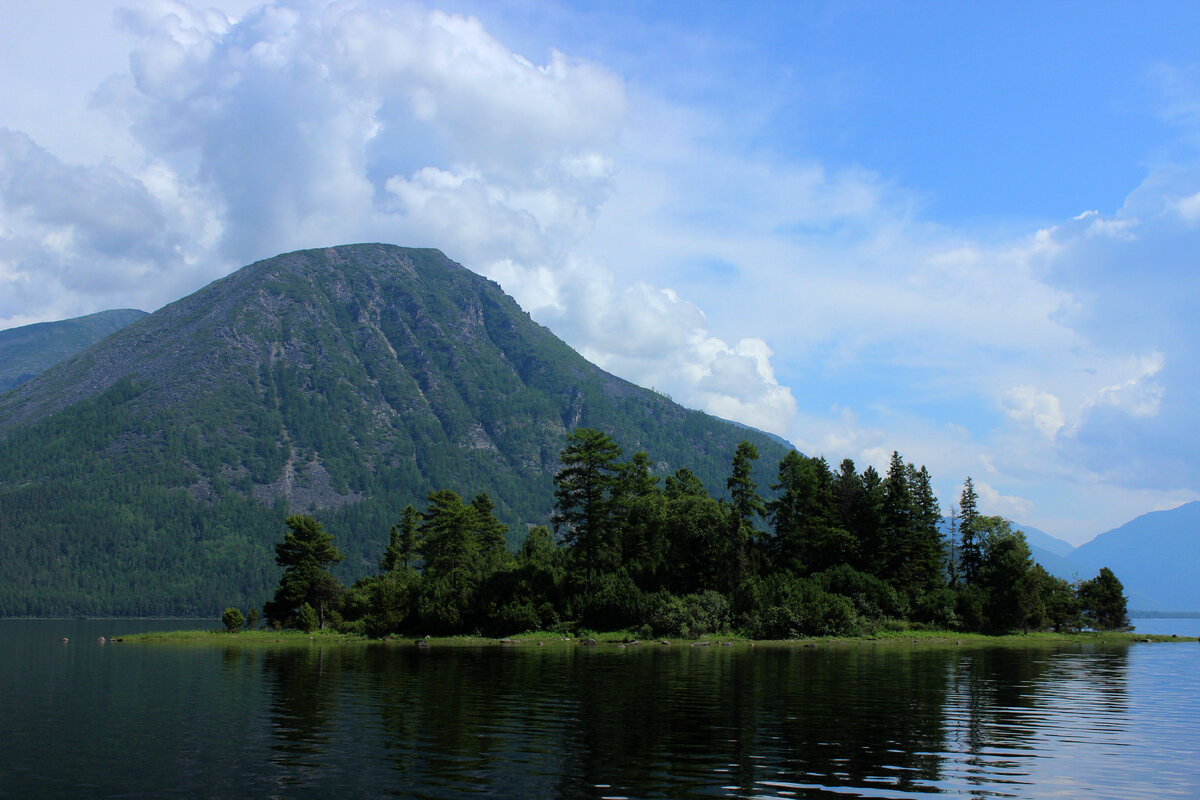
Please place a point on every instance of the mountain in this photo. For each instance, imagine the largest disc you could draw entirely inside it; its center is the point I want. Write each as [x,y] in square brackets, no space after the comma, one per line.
[1045,542]
[32,349]
[151,473]
[1156,557]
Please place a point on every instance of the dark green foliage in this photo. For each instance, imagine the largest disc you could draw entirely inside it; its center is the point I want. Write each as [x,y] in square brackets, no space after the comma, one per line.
[808,531]
[690,615]
[307,619]
[31,349]
[233,620]
[403,542]
[345,383]
[1006,575]
[306,553]
[745,505]
[970,547]
[583,514]
[665,554]
[1102,601]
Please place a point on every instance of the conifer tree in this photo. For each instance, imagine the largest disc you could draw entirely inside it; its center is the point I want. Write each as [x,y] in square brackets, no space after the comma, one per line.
[306,553]
[970,546]
[746,505]
[582,493]
[403,543]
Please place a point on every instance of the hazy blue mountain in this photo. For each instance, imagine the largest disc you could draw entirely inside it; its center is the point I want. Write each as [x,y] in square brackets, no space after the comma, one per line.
[151,473]
[1156,556]
[1045,541]
[31,349]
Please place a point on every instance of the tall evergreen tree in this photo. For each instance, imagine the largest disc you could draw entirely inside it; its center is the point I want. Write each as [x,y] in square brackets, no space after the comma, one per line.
[490,533]
[869,525]
[582,493]
[970,547]
[808,536]
[924,554]
[746,505]
[897,521]
[402,542]
[451,545]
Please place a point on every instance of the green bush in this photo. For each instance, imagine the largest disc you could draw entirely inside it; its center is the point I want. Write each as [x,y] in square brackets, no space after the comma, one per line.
[306,618]
[688,616]
[233,620]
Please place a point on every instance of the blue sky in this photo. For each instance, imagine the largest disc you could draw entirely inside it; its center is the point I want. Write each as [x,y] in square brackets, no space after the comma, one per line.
[964,231]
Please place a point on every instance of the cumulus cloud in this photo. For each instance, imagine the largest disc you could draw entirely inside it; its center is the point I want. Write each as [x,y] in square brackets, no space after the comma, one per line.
[1042,410]
[308,123]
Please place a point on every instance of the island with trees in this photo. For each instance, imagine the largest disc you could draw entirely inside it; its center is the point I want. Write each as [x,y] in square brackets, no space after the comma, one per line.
[825,553]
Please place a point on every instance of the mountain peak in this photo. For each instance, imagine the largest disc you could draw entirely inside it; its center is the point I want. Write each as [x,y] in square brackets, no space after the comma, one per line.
[346,381]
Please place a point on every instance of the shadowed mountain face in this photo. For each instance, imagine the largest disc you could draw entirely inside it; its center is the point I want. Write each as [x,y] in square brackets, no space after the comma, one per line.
[151,474]
[32,349]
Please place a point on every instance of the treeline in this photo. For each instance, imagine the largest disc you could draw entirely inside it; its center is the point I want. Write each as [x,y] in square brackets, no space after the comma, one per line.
[829,553]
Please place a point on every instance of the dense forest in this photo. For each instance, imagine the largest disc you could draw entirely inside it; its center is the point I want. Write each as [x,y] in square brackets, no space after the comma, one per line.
[831,553]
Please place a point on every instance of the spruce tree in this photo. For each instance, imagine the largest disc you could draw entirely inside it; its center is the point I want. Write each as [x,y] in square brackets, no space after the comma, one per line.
[970,548]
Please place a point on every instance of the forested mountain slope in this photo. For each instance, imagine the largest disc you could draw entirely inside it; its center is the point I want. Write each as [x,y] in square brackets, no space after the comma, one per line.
[31,349]
[151,474]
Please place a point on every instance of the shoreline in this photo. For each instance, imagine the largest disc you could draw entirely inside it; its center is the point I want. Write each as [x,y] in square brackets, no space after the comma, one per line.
[623,640]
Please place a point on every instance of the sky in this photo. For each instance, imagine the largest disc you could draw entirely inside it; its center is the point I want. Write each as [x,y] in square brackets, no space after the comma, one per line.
[966,232]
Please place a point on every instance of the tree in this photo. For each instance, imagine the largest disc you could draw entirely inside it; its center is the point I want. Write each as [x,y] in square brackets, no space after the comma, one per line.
[582,500]
[233,620]
[1006,574]
[451,544]
[490,533]
[1103,600]
[746,505]
[897,521]
[808,537]
[403,543]
[970,548]
[924,555]
[453,563]
[306,553]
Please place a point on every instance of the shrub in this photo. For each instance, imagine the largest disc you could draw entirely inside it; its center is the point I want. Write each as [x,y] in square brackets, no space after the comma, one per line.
[233,620]
[690,615]
[306,618]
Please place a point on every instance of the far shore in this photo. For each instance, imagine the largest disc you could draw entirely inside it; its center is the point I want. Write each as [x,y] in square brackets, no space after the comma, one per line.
[623,639]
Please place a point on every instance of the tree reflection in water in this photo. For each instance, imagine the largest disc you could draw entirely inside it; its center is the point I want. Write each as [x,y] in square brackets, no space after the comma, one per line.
[682,721]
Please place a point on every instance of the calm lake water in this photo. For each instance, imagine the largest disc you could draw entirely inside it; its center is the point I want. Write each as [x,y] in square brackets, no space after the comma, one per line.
[82,719]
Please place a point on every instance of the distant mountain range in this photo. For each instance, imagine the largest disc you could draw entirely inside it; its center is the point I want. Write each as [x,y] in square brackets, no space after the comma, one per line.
[151,473]
[32,349]
[1156,557]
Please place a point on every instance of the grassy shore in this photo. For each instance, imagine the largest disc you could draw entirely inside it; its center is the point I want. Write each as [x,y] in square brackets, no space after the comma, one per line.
[909,638]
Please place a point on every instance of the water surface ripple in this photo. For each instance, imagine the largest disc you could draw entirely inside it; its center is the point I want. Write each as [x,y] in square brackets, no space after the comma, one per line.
[82,719]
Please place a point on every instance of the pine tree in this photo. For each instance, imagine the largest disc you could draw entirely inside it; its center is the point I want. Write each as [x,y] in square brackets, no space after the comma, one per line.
[306,554]
[583,508]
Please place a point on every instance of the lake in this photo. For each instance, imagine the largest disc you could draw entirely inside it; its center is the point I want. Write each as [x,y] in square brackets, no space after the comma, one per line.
[84,719]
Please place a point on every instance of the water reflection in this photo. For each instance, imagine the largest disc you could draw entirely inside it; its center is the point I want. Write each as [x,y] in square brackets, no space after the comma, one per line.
[654,721]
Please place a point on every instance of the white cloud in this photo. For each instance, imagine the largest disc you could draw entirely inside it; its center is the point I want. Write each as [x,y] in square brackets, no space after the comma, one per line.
[304,124]
[1040,409]
[674,245]
[994,503]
